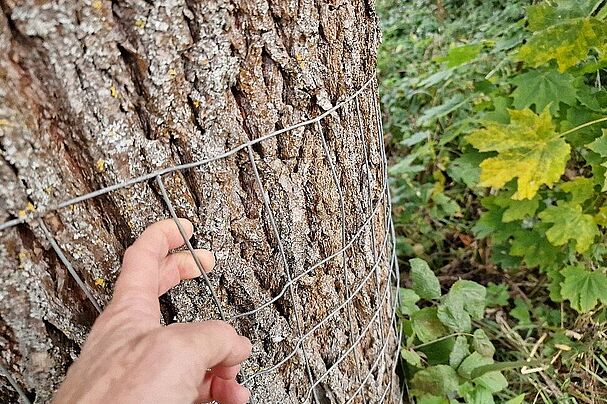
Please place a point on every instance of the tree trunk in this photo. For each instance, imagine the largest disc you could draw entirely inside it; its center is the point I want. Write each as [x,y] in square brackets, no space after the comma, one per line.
[95,93]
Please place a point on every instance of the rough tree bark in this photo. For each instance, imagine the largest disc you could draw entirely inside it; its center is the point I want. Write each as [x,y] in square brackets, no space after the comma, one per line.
[93,93]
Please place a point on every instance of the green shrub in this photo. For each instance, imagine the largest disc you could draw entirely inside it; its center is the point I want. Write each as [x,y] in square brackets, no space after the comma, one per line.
[497,127]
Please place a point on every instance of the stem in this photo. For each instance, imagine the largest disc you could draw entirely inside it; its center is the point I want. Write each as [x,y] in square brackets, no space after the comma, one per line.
[582,126]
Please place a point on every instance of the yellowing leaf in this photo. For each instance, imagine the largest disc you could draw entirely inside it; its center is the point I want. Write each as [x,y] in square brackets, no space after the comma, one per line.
[568,43]
[528,149]
[569,223]
[601,217]
[583,288]
[580,188]
[544,15]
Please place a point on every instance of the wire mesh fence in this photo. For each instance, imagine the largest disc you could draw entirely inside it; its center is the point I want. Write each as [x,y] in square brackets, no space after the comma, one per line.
[382,275]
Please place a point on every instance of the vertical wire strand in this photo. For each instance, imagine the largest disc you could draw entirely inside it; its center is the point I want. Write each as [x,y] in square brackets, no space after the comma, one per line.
[325,319]
[342,208]
[266,204]
[362,140]
[70,269]
[312,268]
[186,240]
[366,328]
[384,345]
[390,223]
[4,371]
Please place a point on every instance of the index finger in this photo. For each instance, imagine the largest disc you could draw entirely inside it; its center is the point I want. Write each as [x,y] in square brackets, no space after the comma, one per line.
[211,343]
[140,276]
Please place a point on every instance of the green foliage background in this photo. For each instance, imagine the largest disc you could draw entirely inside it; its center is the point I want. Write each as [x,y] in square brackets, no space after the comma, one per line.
[495,115]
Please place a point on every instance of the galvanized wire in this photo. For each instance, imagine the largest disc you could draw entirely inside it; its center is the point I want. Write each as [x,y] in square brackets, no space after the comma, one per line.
[383,269]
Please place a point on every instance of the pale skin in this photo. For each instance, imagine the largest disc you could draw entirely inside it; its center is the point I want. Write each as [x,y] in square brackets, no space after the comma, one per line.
[129,357]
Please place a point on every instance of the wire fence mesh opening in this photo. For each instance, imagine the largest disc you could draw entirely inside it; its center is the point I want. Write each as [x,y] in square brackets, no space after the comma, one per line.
[365,259]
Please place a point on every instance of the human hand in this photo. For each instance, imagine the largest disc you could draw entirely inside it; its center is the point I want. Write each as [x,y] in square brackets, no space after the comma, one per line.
[129,357]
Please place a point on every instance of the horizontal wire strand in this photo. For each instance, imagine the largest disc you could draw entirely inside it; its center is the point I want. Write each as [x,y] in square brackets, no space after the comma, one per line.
[383,350]
[312,268]
[358,339]
[180,167]
[320,323]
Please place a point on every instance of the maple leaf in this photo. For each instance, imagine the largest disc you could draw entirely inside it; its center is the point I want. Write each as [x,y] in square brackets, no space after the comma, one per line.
[527,147]
[581,189]
[542,16]
[568,43]
[583,288]
[569,223]
[533,247]
[543,88]
[599,146]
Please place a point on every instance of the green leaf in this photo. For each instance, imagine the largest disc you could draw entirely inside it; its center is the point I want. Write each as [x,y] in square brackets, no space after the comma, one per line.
[583,288]
[569,223]
[527,147]
[437,352]
[521,312]
[542,88]
[407,299]
[416,138]
[442,110]
[479,395]
[500,114]
[424,282]
[492,381]
[461,55]
[428,399]
[518,210]
[465,169]
[499,366]
[555,278]
[520,399]
[452,314]
[482,344]
[497,295]
[440,379]
[581,189]
[461,349]
[473,296]
[411,357]
[473,361]
[534,248]
[427,326]
[568,43]
[599,146]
